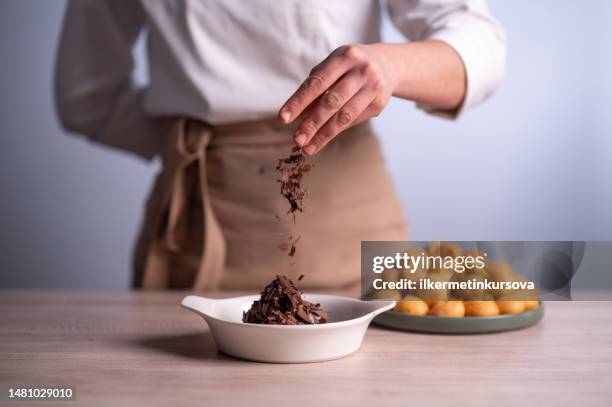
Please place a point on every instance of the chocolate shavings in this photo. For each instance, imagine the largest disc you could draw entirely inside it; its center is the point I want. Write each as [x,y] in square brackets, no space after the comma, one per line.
[292,170]
[281,303]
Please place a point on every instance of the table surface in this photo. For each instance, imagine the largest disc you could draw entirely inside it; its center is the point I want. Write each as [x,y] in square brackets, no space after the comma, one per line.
[142,348]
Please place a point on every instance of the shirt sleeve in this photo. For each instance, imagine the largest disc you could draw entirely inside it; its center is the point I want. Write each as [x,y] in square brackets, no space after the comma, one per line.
[468,27]
[94,90]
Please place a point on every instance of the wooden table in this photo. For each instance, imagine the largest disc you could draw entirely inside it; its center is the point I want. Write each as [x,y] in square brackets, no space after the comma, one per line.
[142,349]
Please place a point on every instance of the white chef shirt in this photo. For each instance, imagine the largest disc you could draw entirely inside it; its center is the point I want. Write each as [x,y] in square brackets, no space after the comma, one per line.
[233,60]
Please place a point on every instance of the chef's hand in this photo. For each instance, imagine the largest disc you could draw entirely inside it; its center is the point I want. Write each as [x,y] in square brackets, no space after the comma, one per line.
[355,82]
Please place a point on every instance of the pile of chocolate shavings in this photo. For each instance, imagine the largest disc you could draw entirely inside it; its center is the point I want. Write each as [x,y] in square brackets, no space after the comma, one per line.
[292,170]
[281,303]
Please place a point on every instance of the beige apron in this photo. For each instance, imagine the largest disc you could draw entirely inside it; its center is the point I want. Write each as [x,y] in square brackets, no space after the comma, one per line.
[215,217]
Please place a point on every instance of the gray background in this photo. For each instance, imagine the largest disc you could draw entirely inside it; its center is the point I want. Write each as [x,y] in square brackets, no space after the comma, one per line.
[534,163]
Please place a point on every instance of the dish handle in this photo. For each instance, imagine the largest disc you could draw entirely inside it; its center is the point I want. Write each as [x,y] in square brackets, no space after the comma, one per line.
[200,305]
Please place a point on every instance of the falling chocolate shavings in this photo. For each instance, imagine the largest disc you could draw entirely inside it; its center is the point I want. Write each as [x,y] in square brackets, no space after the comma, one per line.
[300,277]
[283,247]
[292,170]
[293,245]
[281,303]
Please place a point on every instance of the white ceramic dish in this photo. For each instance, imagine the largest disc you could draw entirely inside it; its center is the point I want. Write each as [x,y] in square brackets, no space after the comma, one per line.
[341,336]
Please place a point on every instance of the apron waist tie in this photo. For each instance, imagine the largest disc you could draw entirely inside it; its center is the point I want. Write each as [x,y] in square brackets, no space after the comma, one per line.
[184,148]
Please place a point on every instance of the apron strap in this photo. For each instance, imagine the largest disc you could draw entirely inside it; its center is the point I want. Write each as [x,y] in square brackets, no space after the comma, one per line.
[183,149]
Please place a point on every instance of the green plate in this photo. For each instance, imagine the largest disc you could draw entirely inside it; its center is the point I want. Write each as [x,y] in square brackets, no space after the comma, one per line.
[466,325]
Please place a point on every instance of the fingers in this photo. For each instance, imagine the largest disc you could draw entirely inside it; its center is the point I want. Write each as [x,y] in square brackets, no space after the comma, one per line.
[328,105]
[343,119]
[320,79]
[347,88]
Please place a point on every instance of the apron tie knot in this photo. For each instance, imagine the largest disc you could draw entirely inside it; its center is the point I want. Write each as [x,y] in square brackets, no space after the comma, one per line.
[184,148]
